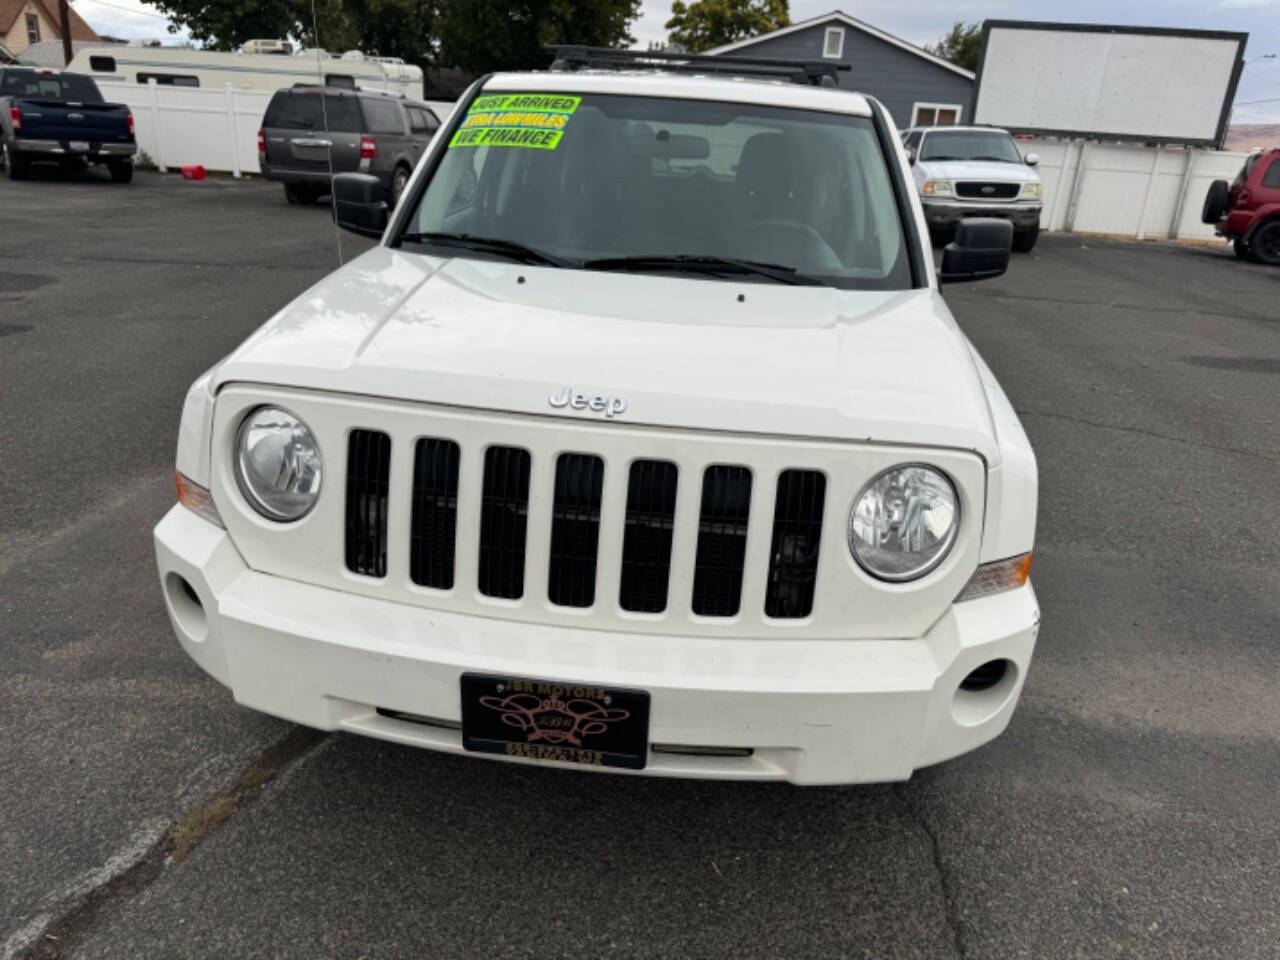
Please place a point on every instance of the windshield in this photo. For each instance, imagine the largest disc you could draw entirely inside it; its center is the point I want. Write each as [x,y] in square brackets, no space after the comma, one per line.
[50,86]
[597,178]
[969,145]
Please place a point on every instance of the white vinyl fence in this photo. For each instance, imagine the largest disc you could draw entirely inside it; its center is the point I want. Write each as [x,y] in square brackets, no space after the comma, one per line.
[217,128]
[1131,190]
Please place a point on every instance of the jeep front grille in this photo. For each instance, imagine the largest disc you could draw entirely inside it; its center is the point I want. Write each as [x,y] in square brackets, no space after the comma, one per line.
[793,552]
[435,513]
[368,481]
[504,522]
[646,539]
[575,530]
[722,541]
[574,516]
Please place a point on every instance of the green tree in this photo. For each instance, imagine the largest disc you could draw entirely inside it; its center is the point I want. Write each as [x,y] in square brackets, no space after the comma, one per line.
[484,35]
[962,45]
[226,24]
[704,24]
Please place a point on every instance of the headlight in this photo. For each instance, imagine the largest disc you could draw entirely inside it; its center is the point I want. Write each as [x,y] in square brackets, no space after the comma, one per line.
[904,522]
[937,188]
[278,466]
[1030,191]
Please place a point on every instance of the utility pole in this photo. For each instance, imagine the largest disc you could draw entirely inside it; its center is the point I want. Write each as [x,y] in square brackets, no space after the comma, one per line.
[64,17]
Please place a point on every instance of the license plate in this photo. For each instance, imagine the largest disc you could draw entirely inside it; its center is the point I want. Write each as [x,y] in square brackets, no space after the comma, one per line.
[79,146]
[553,720]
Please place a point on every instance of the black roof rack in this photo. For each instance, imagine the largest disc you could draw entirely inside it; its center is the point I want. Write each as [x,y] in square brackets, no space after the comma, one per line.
[569,57]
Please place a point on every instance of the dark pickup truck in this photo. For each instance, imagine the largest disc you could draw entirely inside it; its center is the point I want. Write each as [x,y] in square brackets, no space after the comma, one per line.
[54,115]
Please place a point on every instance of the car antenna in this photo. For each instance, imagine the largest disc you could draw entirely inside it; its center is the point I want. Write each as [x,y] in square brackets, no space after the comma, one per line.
[328,150]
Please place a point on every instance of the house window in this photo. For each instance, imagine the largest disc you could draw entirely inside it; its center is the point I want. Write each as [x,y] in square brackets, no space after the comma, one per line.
[935,114]
[833,43]
[33,28]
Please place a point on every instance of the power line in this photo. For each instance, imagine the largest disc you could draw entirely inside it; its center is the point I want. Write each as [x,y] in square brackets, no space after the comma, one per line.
[1249,103]
[135,12]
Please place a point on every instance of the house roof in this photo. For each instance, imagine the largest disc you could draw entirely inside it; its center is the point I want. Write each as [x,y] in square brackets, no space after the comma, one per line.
[10,10]
[848,21]
[48,53]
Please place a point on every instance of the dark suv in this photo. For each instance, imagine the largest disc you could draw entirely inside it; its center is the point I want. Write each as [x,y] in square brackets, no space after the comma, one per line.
[1247,210]
[310,133]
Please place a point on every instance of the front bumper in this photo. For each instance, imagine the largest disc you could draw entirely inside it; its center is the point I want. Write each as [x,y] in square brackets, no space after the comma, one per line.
[811,711]
[62,148]
[947,213]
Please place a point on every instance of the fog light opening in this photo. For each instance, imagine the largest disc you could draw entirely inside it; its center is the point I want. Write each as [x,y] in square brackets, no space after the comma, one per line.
[186,607]
[986,676]
[984,692]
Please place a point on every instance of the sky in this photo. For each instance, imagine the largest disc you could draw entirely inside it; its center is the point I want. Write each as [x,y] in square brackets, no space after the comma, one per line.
[923,21]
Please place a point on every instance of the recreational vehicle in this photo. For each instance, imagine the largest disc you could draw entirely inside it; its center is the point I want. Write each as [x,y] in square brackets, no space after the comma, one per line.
[261,65]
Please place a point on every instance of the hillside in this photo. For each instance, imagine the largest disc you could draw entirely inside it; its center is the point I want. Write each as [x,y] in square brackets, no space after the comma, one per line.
[1251,136]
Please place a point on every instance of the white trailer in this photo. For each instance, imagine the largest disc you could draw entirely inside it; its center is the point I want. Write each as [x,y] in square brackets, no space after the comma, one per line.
[246,71]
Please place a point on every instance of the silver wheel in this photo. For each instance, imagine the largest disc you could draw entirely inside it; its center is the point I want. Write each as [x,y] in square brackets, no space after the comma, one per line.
[399,181]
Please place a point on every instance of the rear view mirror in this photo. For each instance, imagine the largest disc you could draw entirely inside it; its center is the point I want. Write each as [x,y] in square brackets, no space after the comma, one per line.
[980,250]
[681,146]
[359,204]
[1033,159]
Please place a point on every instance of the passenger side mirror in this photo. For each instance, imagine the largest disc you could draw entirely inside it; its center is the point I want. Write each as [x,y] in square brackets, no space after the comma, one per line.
[1033,159]
[911,156]
[980,250]
[359,204]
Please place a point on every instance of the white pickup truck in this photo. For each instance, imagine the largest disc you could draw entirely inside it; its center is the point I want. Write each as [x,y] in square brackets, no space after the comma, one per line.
[965,172]
[642,441]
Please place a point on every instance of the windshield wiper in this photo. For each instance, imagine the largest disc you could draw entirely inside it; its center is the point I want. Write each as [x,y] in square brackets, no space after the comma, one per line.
[703,264]
[509,248]
[996,159]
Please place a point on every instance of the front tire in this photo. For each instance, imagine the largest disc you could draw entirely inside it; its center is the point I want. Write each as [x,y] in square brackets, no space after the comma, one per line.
[121,171]
[1025,241]
[1264,245]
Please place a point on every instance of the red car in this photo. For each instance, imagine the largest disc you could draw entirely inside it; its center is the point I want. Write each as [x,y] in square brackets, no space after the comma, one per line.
[1247,210]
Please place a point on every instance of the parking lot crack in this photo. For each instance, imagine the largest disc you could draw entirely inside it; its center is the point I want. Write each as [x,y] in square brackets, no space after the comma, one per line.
[1156,435]
[946,880]
[63,920]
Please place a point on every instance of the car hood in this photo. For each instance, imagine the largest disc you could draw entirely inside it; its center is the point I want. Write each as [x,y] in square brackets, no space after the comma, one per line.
[977,170]
[682,352]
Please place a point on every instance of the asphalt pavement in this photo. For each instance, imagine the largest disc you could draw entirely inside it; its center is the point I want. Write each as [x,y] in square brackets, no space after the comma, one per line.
[1130,810]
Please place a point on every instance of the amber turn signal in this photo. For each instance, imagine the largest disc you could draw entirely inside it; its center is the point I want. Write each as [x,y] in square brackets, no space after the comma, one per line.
[997,577]
[197,499]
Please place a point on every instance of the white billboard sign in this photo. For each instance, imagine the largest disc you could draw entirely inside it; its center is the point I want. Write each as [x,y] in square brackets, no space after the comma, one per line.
[1122,83]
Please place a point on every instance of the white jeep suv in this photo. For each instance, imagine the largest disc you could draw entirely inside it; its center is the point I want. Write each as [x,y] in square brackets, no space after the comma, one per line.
[642,441]
[965,172]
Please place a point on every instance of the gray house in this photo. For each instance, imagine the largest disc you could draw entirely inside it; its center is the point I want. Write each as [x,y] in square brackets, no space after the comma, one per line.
[915,86]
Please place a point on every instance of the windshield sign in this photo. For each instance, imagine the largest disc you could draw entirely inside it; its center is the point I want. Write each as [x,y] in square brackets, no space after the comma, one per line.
[654,185]
[969,145]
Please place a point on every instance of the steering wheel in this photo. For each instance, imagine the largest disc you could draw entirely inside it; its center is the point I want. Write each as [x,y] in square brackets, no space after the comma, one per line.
[811,246]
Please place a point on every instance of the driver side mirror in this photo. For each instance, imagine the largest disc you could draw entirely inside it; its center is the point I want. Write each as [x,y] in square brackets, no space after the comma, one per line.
[980,250]
[359,204]
[1033,159]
